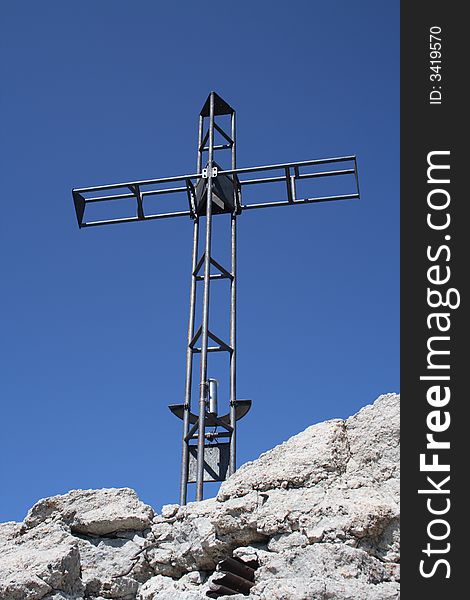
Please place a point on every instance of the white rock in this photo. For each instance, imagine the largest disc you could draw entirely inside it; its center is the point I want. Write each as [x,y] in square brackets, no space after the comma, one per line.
[94,512]
[319,453]
[169,510]
[283,542]
[319,514]
[109,568]
[165,588]
[374,442]
[62,596]
[39,561]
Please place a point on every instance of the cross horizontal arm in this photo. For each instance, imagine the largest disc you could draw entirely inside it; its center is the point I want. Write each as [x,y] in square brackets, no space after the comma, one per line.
[303,176]
[113,186]
[291,173]
[303,163]
[303,201]
[133,189]
[185,213]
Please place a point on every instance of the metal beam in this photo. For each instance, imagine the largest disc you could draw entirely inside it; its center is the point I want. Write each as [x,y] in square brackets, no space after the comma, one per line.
[303,163]
[189,370]
[205,312]
[303,201]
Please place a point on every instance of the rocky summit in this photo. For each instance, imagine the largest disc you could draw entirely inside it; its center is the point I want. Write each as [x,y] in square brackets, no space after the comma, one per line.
[317,515]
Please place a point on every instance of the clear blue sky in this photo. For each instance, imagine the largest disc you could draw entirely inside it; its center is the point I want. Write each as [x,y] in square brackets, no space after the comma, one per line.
[93,322]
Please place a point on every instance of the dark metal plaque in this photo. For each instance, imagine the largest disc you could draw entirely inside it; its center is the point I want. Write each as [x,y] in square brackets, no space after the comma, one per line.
[216,461]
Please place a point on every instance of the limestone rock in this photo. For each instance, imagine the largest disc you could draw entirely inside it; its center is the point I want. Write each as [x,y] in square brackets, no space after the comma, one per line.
[108,566]
[93,512]
[187,587]
[39,561]
[317,454]
[319,514]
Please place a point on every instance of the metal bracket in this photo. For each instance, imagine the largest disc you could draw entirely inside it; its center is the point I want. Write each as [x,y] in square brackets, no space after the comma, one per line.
[205,172]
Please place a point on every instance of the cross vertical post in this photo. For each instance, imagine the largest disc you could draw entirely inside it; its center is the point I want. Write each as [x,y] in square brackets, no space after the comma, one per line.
[189,352]
[189,368]
[206,191]
[233,320]
[209,192]
[203,384]
[233,364]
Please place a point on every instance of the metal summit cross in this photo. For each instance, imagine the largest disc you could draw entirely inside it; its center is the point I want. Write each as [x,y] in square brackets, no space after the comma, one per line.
[213,191]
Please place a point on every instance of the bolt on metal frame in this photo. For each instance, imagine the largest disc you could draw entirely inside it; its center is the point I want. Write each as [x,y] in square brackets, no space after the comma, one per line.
[211,191]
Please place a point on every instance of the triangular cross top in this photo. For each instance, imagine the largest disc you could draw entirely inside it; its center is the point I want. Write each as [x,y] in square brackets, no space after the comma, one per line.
[211,191]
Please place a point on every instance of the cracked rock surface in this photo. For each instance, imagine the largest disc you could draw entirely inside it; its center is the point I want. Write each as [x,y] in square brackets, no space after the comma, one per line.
[319,513]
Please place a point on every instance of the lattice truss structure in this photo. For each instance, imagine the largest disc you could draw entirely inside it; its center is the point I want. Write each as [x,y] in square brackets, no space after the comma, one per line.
[213,191]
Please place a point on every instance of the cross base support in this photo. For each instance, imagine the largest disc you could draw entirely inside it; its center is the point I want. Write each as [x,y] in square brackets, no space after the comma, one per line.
[216,454]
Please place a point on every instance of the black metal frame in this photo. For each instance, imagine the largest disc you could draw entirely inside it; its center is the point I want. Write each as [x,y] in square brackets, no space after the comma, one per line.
[195,426]
[291,175]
